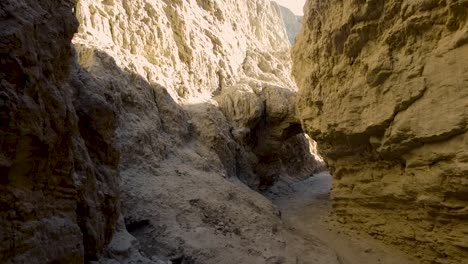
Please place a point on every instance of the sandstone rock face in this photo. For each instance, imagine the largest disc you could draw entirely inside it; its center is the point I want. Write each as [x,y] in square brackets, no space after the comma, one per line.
[190,47]
[203,97]
[201,49]
[383,89]
[177,198]
[112,149]
[269,136]
[58,165]
[292,23]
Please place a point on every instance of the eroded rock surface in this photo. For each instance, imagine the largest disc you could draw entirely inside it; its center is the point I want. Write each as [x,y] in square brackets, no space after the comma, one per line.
[236,53]
[182,152]
[58,164]
[383,89]
[180,165]
[190,47]
[113,149]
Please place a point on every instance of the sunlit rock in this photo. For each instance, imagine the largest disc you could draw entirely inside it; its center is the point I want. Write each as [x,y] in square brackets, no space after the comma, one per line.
[383,89]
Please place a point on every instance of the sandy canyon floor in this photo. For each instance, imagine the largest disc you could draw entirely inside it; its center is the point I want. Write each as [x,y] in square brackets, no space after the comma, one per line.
[306,209]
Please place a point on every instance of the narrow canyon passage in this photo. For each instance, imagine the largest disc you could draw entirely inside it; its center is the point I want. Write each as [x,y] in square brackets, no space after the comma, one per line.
[306,209]
[187,131]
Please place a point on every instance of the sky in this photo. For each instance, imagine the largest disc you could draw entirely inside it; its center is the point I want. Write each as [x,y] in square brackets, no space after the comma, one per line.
[294,5]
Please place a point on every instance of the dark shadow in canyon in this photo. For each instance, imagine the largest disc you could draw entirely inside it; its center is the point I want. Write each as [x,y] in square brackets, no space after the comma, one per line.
[257,159]
[151,126]
[70,132]
[59,193]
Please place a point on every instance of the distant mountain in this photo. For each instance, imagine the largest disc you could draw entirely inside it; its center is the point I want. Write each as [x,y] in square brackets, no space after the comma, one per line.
[292,23]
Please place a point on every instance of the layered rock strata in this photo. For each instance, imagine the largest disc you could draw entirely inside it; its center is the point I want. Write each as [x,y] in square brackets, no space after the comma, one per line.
[228,66]
[177,198]
[192,48]
[212,53]
[58,164]
[383,89]
[95,146]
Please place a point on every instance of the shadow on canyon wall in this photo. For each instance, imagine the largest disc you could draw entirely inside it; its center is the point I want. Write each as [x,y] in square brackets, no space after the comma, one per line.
[66,144]
[155,136]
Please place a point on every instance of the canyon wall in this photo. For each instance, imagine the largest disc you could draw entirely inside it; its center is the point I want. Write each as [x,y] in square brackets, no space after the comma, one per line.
[384,91]
[212,56]
[146,124]
[203,98]
[193,48]
[58,165]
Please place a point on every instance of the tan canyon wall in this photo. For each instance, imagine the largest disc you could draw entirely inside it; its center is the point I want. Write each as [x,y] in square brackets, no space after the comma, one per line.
[59,195]
[222,55]
[384,91]
[191,47]
[146,122]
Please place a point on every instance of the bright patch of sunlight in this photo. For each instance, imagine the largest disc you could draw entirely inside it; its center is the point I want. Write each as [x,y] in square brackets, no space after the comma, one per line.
[294,5]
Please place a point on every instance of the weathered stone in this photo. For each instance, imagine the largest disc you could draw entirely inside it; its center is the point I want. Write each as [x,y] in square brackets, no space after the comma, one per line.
[192,48]
[231,51]
[159,64]
[383,91]
[94,137]
[59,181]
